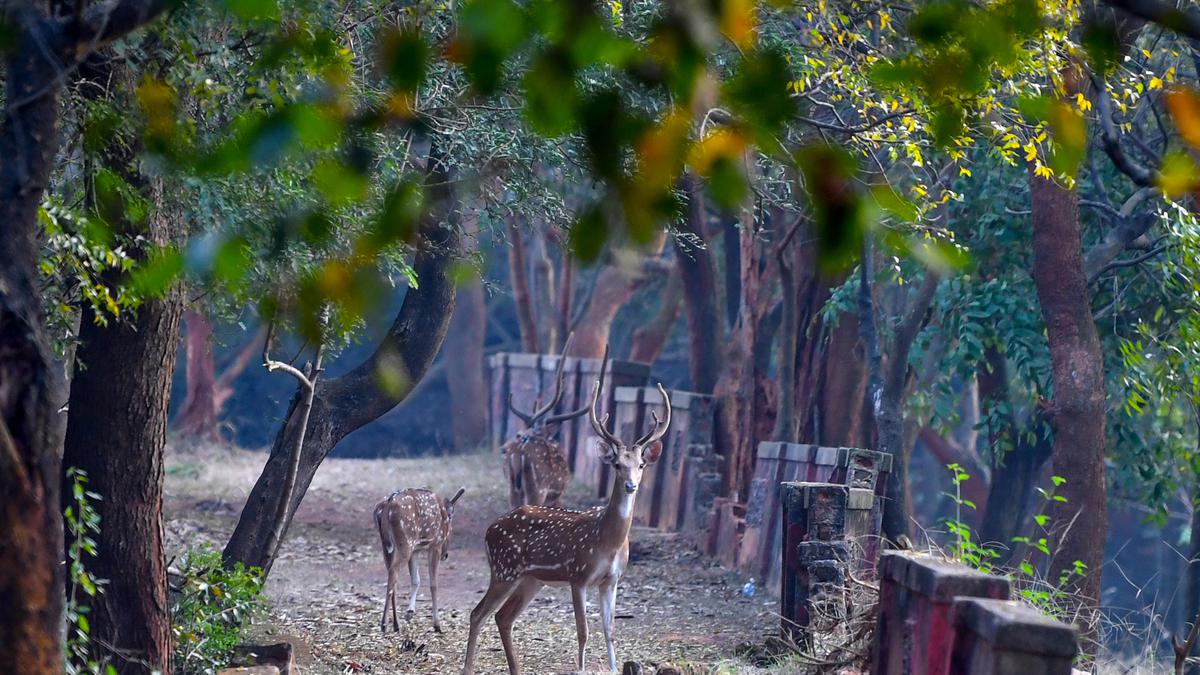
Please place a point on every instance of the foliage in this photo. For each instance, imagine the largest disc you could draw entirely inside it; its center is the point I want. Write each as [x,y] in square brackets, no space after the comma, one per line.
[212,607]
[82,524]
[1026,570]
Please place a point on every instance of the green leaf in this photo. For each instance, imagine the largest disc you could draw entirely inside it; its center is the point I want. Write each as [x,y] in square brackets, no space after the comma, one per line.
[588,235]
[404,57]
[253,10]
[156,275]
[550,95]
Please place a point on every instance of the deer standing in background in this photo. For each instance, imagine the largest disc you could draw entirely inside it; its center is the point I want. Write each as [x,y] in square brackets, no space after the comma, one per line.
[411,521]
[537,545]
[534,462]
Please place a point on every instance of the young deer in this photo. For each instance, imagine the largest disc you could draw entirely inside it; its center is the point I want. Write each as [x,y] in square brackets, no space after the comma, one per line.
[536,545]
[410,521]
[534,463]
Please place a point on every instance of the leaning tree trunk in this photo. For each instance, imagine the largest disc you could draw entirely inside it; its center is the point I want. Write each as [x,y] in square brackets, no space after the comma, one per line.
[464,372]
[347,403]
[1077,413]
[696,270]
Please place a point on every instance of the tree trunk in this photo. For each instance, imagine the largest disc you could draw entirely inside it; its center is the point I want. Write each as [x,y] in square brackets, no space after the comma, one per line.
[206,393]
[615,285]
[465,371]
[31,428]
[1015,474]
[518,274]
[566,292]
[1077,368]
[543,291]
[705,334]
[649,339]
[30,383]
[349,402]
[198,415]
[116,432]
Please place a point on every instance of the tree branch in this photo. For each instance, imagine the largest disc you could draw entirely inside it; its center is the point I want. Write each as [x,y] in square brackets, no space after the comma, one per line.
[1166,15]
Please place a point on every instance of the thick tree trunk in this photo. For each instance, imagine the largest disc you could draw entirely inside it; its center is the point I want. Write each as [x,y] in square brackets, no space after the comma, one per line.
[346,403]
[705,333]
[31,429]
[650,338]
[1077,368]
[30,384]
[518,273]
[116,432]
[465,370]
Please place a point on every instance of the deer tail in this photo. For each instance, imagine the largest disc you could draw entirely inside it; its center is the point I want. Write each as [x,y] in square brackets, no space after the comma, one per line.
[385,533]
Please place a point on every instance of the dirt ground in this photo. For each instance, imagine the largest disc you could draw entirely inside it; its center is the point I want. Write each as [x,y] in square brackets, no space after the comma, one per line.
[327,587]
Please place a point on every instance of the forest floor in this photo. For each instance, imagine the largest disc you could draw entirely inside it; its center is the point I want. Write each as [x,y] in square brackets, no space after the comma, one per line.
[326,589]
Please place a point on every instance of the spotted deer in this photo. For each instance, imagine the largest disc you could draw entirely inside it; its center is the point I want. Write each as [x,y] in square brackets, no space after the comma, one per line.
[410,521]
[534,462]
[537,545]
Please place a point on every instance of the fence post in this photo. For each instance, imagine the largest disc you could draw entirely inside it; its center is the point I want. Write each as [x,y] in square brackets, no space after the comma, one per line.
[914,633]
[1004,637]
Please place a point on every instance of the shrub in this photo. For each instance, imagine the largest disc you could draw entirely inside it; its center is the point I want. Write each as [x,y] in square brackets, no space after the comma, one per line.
[211,608]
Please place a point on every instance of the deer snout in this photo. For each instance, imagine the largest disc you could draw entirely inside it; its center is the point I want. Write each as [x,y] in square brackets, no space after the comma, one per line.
[630,487]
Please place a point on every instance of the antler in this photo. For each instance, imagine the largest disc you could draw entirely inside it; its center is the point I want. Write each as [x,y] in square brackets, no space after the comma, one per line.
[597,423]
[538,413]
[659,430]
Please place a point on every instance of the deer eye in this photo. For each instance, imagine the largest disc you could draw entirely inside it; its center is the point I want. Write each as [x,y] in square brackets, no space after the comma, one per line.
[642,465]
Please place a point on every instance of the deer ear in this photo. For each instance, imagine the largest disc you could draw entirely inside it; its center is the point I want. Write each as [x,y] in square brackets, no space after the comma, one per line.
[652,451]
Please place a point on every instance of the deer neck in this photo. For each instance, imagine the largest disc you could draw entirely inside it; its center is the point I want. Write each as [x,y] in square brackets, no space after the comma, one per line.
[618,515]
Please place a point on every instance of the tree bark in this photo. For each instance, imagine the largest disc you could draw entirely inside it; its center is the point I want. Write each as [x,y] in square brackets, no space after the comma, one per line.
[1077,413]
[518,273]
[465,371]
[351,401]
[31,429]
[888,384]
[116,432]
[694,259]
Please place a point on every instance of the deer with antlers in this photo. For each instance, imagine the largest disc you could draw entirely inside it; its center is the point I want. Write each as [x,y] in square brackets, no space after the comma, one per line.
[537,545]
[534,462]
[411,521]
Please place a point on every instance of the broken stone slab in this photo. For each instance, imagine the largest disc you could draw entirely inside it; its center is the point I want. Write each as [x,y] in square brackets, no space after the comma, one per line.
[914,632]
[280,655]
[1005,637]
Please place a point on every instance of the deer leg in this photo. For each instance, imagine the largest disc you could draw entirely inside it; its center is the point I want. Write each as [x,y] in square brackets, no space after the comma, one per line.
[608,603]
[415,576]
[516,603]
[434,561]
[497,593]
[579,599]
[388,598]
[395,621]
